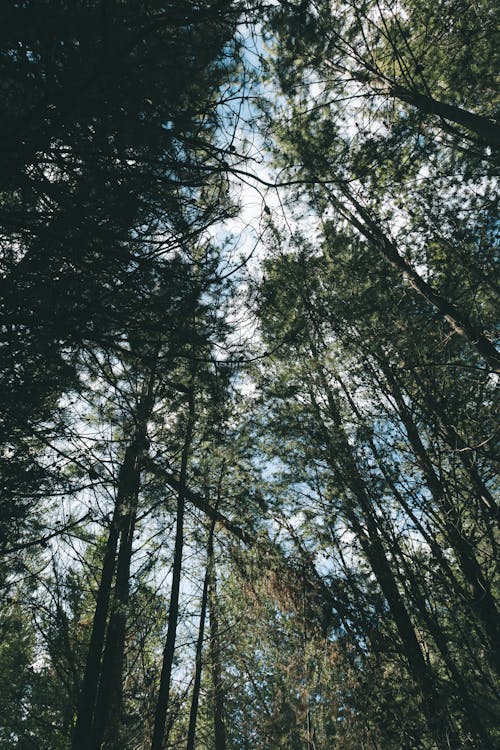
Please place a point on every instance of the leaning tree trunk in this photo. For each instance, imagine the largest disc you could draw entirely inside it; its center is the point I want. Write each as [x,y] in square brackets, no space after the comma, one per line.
[482,601]
[487,129]
[470,715]
[458,319]
[487,503]
[471,720]
[344,467]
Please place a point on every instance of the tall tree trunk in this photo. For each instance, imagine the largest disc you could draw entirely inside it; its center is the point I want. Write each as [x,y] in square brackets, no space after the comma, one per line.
[344,466]
[343,463]
[127,494]
[108,713]
[457,319]
[193,714]
[471,720]
[450,580]
[218,708]
[487,129]
[173,610]
[456,442]
[309,727]
[482,600]
[88,693]
[434,710]
[456,588]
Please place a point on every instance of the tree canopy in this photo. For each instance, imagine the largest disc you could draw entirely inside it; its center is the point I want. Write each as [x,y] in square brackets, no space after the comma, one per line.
[249,375]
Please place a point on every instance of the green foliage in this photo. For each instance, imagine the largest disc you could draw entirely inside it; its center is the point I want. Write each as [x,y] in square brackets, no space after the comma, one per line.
[328,411]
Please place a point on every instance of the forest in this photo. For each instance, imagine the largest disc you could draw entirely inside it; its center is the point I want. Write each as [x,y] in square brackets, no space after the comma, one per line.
[249,375]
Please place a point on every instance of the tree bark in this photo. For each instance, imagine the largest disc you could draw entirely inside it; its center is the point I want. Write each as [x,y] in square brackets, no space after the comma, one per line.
[126,499]
[218,709]
[487,130]
[339,456]
[173,611]
[108,713]
[92,671]
[482,600]
[193,714]
[457,319]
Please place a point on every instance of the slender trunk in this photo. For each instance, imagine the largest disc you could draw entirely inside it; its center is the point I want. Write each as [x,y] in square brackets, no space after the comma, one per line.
[200,502]
[471,720]
[457,319]
[433,708]
[372,546]
[215,664]
[455,587]
[127,491]
[92,671]
[486,128]
[309,728]
[457,443]
[108,713]
[108,710]
[193,714]
[482,600]
[449,581]
[173,611]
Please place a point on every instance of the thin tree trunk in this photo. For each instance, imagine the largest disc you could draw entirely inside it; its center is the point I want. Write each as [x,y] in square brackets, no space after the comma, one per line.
[218,709]
[344,465]
[374,551]
[471,719]
[200,502]
[128,488]
[486,128]
[309,729]
[482,601]
[173,611]
[108,713]
[456,588]
[432,706]
[193,714]
[458,444]
[450,581]
[457,319]
[92,671]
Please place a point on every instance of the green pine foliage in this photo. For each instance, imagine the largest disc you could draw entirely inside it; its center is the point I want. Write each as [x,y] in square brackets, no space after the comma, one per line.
[248,464]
